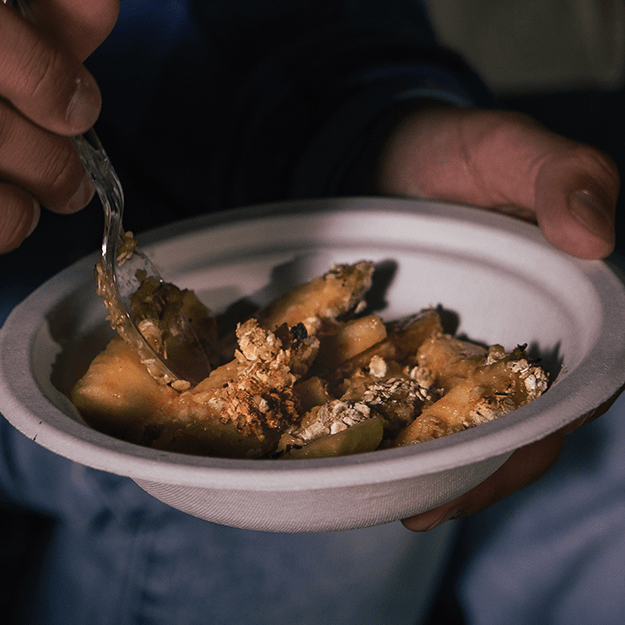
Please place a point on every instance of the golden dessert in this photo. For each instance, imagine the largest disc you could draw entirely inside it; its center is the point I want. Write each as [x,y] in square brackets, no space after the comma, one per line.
[311,375]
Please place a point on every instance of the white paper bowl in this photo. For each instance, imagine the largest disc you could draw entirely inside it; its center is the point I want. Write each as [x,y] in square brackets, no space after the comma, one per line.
[500,277]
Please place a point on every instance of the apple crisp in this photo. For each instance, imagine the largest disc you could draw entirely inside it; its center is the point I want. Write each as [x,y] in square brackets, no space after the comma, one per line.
[311,375]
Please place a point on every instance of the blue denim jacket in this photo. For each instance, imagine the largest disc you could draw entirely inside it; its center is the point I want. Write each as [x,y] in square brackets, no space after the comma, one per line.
[210,105]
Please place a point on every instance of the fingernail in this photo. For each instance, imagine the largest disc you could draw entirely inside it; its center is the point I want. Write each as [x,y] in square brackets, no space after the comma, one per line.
[586,208]
[83,195]
[433,518]
[84,106]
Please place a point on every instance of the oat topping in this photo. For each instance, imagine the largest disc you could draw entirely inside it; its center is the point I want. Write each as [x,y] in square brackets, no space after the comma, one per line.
[333,417]
[378,367]
[310,375]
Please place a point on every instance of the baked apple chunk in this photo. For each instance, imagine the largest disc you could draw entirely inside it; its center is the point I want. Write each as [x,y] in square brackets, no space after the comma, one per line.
[311,375]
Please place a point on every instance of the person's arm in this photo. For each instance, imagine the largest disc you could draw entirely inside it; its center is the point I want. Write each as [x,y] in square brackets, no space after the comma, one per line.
[317,85]
[345,98]
[46,96]
[408,119]
[505,161]
[311,116]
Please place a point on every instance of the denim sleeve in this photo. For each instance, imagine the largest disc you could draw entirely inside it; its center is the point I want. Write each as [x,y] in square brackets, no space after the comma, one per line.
[210,105]
[318,84]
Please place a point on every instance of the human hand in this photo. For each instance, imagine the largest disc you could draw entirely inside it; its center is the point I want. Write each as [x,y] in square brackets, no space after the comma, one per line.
[507,162]
[524,467]
[46,96]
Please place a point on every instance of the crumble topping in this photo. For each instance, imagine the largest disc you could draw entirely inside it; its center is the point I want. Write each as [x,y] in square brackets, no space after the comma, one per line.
[310,375]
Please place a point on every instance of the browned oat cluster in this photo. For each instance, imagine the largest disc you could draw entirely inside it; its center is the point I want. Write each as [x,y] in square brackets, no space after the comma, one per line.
[311,375]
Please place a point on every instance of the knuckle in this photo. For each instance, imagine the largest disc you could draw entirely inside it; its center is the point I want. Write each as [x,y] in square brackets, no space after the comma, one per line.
[45,164]
[40,68]
[46,80]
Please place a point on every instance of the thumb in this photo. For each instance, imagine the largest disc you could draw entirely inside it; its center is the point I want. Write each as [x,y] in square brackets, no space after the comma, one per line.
[77,26]
[575,200]
[508,162]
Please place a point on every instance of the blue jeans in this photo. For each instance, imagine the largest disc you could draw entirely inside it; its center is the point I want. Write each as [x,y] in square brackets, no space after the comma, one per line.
[117,556]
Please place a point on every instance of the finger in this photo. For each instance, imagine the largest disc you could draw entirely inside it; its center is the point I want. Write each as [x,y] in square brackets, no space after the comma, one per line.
[525,466]
[593,415]
[575,201]
[19,214]
[78,26]
[47,85]
[44,164]
[509,162]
